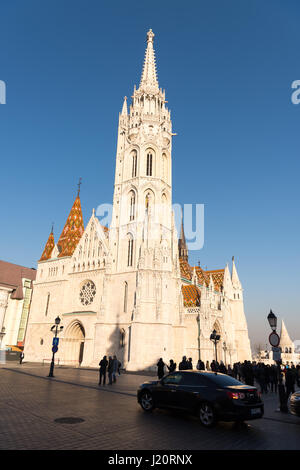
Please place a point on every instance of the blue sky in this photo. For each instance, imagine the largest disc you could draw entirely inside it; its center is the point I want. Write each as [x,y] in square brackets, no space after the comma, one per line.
[227,67]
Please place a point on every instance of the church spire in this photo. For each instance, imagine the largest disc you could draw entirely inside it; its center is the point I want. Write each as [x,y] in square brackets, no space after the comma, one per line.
[149,75]
[182,246]
[48,247]
[124,109]
[73,229]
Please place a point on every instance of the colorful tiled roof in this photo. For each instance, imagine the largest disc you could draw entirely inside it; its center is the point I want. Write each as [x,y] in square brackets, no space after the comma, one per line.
[203,276]
[185,269]
[72,232]
[191,296]
[48,248]
[218,278]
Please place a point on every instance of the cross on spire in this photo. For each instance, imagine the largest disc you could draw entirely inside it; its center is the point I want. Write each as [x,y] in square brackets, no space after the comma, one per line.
[79,184]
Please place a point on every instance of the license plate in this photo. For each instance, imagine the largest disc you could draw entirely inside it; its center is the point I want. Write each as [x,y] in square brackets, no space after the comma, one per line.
[255,411]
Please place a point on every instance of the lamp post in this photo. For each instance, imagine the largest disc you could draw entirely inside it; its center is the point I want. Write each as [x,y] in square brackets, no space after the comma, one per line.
[225,349]
[199,332]
[2,334]
[272,319]
[54,347]
[215,338]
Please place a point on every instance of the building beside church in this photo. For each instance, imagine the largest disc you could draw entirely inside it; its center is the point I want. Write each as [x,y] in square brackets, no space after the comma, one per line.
[288,353]
[15,297]
[129,289]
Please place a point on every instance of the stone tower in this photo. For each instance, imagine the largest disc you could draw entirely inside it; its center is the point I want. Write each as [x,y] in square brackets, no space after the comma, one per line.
[144,266]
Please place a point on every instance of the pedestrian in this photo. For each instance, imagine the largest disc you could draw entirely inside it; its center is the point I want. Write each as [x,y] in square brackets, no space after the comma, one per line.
[274,378]
[110,370]
[172,366]
[289,382]
[190,363]
[21,357]
[160,368]
[222,368]
[207,365]
[183,365]
[102,370]
[200,365]
[119,367]
[115,363]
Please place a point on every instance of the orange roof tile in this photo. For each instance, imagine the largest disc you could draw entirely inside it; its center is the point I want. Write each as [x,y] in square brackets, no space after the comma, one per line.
[48,248]
[191,296]
[72,232]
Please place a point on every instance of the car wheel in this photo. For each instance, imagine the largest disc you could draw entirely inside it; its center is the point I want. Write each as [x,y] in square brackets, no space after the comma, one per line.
[207,415]
[147,402]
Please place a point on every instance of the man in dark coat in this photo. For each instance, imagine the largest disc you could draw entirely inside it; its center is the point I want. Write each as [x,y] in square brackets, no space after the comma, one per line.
[190,363]
[183,364]
[160,369]
[110,370]
[172,366]
[102,370]
[289,382]
[21,357]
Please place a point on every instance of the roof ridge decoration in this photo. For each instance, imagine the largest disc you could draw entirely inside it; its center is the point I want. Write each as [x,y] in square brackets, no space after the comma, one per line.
[72,231]
[149,74]
[50,244]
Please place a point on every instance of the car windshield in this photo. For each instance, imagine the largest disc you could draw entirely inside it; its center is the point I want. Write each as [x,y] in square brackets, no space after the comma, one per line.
[223,380]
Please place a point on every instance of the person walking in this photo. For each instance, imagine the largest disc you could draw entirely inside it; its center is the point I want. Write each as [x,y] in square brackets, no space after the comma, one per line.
[110,370]
[119,367]
[172,366]
[102,370]
[21,357]
[190,363]
[160,368]
[183,365]
[114,368]
[289,382]
[200,365]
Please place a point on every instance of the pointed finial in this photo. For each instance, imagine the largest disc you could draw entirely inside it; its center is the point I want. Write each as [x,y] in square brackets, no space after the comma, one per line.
[150,36]
[93,213]
[233,258]
[52,228]
[79,184]
[124,108]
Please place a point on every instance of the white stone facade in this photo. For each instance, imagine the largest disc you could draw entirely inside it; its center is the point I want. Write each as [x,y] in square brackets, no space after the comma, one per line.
[120,292]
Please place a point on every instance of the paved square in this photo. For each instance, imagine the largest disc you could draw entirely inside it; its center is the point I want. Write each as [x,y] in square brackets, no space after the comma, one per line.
[30,403]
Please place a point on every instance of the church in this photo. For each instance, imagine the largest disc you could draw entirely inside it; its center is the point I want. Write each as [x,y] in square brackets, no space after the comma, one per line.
[129,289]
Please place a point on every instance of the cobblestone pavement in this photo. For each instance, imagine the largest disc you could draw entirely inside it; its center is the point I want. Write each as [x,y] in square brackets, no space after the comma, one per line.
[30,403]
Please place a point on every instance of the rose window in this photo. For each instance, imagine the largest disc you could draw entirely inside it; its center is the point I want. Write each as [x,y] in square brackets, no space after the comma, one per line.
[87,293]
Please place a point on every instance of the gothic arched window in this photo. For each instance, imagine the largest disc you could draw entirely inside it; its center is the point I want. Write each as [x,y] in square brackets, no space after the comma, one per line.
[134,163]
[132,205]
[125,296]
[130,251]
[149,163]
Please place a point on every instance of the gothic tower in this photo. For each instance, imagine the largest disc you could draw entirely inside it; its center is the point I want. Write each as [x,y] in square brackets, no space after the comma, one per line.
[144,266]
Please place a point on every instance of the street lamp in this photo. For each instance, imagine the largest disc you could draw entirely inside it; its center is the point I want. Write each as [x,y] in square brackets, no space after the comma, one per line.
[272,319]
[215,338]
[55,343]
[2,334]
[199,333]
[225,349]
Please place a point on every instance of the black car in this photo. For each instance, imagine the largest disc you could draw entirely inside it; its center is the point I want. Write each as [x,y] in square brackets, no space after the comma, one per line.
[210,395]
[295,404]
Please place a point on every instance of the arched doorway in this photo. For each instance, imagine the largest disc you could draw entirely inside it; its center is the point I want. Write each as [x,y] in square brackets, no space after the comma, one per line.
[217,327]
[74,343]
